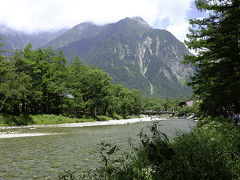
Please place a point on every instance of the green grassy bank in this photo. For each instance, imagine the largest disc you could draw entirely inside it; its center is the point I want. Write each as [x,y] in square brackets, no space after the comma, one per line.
[10,120]
[46,119]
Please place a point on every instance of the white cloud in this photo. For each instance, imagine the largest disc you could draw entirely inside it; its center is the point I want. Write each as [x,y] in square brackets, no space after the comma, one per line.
[35,15]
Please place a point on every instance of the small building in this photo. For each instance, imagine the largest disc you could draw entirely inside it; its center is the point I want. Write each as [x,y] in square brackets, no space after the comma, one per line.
[186,103]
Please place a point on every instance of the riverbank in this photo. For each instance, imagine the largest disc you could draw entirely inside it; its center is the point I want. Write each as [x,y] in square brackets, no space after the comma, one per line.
[89,123]
[41,119]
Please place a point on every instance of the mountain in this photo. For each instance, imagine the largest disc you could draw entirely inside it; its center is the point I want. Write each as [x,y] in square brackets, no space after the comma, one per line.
[130,51]
[78,32]
[13,39]
[136,55]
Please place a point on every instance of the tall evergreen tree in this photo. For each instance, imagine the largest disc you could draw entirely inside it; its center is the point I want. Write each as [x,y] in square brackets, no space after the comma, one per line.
[216,81]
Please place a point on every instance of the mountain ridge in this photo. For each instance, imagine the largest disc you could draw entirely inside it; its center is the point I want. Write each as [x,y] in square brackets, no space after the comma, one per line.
[132,52]
[17,40]
[127,49]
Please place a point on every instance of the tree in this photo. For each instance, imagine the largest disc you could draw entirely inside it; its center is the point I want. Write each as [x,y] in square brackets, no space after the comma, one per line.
[40,81]
[138,102]
[1,45]
[114,105]
[76,71]
[127,102]
[95,89]
[166,103]
[14,87]
[216,81]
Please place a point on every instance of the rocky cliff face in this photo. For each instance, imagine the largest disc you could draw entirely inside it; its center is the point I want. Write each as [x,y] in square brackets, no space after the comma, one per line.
[137,56]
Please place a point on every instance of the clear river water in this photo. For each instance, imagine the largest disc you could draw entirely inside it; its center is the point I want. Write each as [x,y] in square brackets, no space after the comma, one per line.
[44,152]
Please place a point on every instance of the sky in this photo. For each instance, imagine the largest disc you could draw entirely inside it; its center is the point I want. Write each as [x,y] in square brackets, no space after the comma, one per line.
[42,15]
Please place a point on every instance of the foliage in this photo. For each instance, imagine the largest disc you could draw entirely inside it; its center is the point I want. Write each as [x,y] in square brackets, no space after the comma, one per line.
[185,111]
[164,104]
[208,152]
[57,119]
[116,116]
[103,118]
[41,82]
[1,44]
[12,120]
[189,110]
[216,81]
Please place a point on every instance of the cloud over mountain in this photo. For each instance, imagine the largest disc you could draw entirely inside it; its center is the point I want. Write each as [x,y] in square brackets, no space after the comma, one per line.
[42,15]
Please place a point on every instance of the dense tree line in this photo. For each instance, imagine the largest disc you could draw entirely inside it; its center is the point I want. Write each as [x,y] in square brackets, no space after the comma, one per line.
[216,38]
[42,81]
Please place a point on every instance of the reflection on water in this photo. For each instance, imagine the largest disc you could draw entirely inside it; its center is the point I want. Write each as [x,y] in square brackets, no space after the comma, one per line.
[59,148]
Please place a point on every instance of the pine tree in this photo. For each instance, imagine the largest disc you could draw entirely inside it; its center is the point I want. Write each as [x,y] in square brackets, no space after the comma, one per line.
[216,38]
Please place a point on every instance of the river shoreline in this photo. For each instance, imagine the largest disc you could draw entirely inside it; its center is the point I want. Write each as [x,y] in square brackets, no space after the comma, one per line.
[88,124]
[12,134]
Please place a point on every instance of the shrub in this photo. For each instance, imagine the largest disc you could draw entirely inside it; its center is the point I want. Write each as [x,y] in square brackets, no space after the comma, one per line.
[210,151]
[19,120]
[103,118]
[116,116]
[185,111]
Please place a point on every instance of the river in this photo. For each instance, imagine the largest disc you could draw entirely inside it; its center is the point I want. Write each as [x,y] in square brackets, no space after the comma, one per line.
[44,152]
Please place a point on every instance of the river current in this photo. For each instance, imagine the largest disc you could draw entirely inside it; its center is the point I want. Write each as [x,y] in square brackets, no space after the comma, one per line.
[44,152]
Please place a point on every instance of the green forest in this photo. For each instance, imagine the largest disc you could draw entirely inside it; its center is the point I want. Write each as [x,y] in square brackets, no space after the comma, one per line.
[42,81]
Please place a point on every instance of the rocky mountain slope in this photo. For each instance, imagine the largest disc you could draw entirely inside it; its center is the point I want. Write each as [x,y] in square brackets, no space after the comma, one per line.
[137,56]
[133,53]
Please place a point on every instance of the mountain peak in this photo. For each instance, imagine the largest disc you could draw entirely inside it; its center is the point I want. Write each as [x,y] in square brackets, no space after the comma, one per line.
[135,26]
[84,25]
[136,20]
[141,21]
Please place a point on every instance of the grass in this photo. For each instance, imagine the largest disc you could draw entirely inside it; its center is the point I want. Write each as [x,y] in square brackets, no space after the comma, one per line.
[45,119]
[117,116]
[9,120]
[103,118]
[134,116]
[57,119]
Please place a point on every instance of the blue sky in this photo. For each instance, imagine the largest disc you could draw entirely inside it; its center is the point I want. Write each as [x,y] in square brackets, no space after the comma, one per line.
[42,15]
[192,13]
